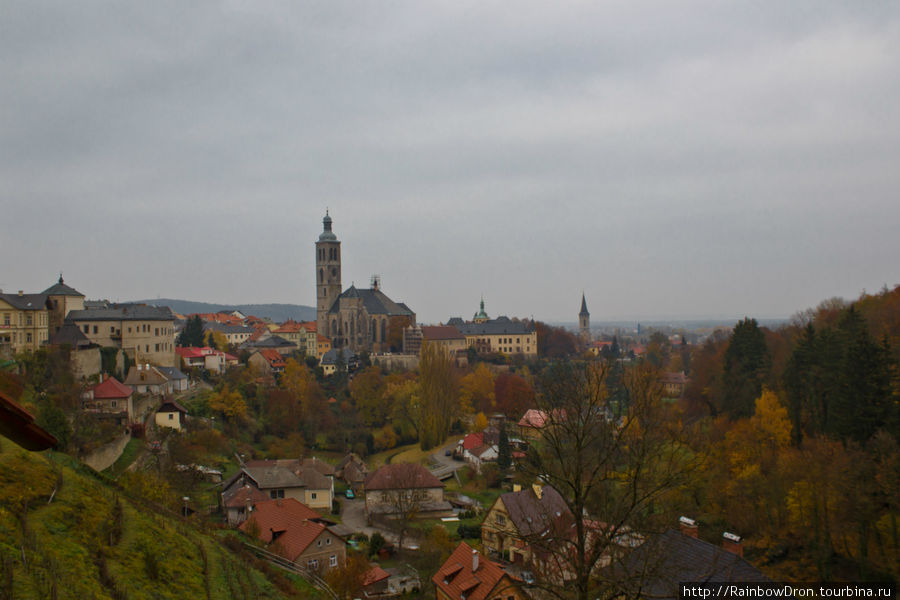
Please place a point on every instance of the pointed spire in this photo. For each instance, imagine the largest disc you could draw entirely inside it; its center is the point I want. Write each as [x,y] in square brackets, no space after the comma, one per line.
[584,310]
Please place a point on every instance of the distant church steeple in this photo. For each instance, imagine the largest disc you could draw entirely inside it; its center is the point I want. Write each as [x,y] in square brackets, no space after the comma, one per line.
[584,321]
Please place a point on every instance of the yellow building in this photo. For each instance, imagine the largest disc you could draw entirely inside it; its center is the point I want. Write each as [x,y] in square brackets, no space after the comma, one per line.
[145,333]
[24,320]
[503,335]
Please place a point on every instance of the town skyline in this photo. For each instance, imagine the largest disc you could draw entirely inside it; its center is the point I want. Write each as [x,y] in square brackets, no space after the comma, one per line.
[722,161]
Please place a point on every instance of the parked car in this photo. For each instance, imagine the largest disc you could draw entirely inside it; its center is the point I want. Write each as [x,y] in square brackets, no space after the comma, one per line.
[349,494]
[448,452]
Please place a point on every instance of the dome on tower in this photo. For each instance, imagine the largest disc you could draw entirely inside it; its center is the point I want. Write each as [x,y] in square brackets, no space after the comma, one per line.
[327,235]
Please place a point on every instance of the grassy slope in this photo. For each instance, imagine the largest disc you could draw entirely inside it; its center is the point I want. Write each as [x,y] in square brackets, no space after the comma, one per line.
[73,547]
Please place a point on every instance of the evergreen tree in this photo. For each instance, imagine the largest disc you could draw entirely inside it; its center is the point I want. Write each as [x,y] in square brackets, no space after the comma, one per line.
[504,456]
[192,334]
[747,364]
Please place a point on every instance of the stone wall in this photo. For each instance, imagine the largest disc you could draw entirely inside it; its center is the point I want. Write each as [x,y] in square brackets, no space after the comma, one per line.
[103,457]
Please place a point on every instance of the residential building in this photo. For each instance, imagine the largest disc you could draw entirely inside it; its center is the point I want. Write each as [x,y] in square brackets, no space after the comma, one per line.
[329,361]
[207,358]
[446,336]
[674,384]
[267,360]
[84,355]
[353,471]
[361,319]
[24,321]
[147,379]
[145,333]
[304,336]
[234,334]
[469,575]
[294,532]
[178,381]
[660,565]
[171,414]
[515,518]
[286,478]
[500,335]
[396,487]
[531,424]
[110,397]
[270,342]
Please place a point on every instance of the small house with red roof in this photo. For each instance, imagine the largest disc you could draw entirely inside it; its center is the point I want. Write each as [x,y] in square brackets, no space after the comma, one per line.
[531,423]
[109,397]
[204,358]
[375,581]
[267,360]
[297,533]
[469,574]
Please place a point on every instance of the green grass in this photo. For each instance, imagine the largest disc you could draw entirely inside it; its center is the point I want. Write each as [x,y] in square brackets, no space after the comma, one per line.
[129,454]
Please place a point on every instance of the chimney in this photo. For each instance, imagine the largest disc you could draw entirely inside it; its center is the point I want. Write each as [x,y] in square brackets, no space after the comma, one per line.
[538,490]
[733,543]
[688,527]
[474,560]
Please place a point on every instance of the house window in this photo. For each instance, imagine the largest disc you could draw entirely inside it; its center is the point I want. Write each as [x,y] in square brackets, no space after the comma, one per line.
[112,403]
[28,337]
[501,520]
[312,564]
[313,495]
[171,417]
[319,543]
[6,318]
[274,494]
[332,560]
[327,541]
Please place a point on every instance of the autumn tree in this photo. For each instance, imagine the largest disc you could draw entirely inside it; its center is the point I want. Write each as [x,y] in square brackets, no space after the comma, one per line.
[611,473]
[555,342]
[514,394]
[438,395]
[230,404]
[367,390]
[346,581]
[476,391]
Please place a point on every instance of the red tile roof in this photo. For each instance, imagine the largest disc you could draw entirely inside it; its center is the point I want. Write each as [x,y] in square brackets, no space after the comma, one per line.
[194,352]
[533,418]
[402,476]
[374,575]
[473,440]
[288,522]
[272,357]
[457,579]
[111,388]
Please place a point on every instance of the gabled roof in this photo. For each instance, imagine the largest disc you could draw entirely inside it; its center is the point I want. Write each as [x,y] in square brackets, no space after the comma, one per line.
[672,557]
[241,496]
[171,406]
[140,376]
[374,301]
[26,301]
[61,289]
[533,418]
[275,360]
[319,465]
[532,515]
[285,473]
[111,388]
[473,440]
[273,341]
[228,328]
[374,575]
[287,523]
[402,476]
[331,357]
[457,579]
[173,373]
[194,352]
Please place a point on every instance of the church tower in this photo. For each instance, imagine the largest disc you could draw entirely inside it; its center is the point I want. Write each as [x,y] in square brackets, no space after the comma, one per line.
[584,321]
[328,275]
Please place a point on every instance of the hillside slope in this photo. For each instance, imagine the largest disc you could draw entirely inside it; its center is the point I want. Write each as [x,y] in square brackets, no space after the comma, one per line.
[276,312]
[67,534]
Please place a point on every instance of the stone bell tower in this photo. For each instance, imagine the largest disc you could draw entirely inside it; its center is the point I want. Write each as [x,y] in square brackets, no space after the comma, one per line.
[328,275]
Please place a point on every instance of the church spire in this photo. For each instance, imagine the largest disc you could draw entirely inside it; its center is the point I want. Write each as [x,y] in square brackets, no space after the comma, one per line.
[584,310]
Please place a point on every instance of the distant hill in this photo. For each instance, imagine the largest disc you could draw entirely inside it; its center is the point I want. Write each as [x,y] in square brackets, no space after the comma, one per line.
[277,312]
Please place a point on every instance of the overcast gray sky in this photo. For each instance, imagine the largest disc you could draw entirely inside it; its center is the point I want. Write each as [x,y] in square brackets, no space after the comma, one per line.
[691,158]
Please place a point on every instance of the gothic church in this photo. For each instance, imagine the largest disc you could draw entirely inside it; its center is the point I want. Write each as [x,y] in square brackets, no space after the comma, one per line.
[361,319]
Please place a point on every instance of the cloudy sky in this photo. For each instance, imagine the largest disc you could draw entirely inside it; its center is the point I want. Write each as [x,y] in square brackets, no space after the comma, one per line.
[682,159]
